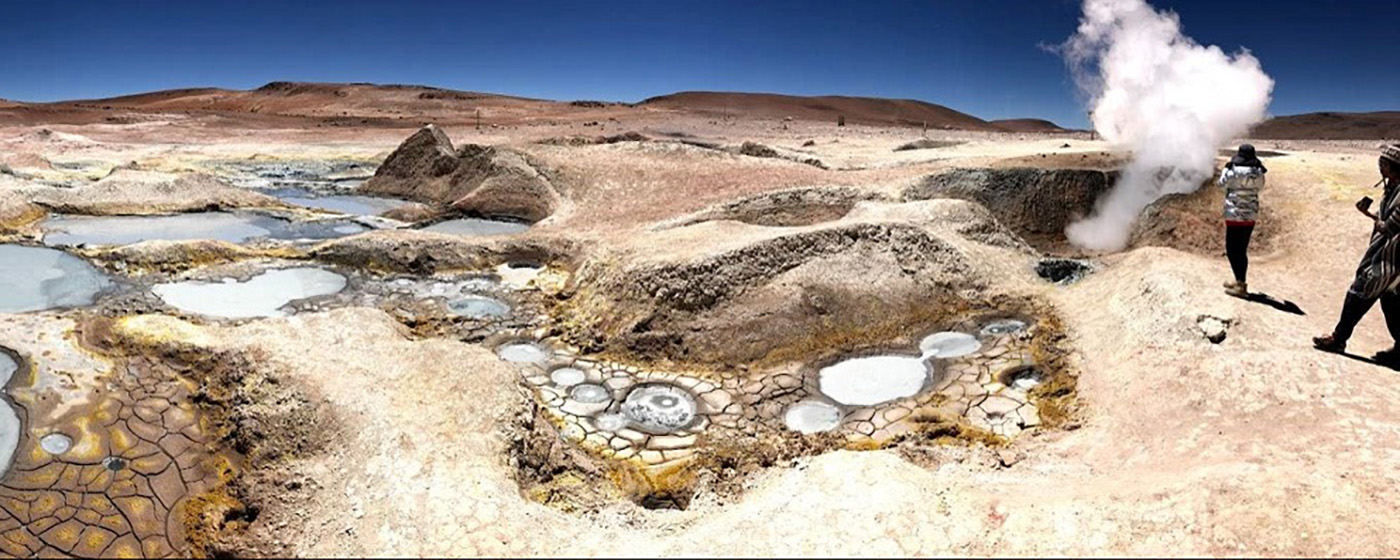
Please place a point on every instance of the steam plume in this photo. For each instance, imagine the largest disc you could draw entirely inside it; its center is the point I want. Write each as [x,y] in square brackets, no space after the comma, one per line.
[1157,92]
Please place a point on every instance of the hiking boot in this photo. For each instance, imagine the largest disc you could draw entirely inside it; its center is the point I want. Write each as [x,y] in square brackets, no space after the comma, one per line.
[1237,289]
[1329,343]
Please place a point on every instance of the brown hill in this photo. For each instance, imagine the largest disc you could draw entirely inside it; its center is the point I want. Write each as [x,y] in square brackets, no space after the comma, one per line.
[305,99]
[364,104]
[856,110]
[1028,125]
[1331,126]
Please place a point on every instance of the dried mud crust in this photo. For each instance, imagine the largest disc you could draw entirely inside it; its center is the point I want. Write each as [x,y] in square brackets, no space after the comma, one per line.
[248,421]
[566,456]
[143,472]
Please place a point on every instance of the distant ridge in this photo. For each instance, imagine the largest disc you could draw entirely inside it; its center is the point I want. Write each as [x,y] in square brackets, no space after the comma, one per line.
[1028,125]
[856,110]
[387,104]
[1378,125]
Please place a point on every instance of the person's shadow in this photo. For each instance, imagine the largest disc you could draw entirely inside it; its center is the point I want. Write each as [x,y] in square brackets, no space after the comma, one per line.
[1364,359]
[1271,301]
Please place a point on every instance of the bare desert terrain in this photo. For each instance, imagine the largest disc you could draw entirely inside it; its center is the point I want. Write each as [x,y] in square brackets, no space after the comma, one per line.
[355,320]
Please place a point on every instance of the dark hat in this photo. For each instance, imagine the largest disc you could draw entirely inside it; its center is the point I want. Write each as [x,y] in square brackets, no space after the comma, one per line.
[1245,157]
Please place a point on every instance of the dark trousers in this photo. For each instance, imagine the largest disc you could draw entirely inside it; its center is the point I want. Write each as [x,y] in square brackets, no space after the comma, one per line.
[1237,248]
[1355,307]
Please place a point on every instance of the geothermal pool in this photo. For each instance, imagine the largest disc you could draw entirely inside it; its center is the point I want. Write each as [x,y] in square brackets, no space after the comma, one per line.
[523,352]
[949,345]
[873,379]
[810,417]
[355,204]
[36,278]
[220,226]
[263,295]
[478,307]
[477,227]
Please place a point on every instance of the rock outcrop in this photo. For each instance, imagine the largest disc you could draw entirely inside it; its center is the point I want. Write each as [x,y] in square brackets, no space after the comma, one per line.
[766,295]
[131,192]
[422,252]
[1036,203]
[790,207]
[477,180]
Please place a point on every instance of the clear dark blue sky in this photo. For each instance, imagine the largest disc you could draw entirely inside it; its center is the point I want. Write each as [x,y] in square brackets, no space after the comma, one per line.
[978,56]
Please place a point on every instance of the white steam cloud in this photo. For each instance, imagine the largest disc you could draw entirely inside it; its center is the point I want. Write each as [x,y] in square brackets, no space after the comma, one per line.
[1157,92]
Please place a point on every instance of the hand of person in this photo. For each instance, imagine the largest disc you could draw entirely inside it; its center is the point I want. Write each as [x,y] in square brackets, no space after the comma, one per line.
[1364,205]
[1380,227]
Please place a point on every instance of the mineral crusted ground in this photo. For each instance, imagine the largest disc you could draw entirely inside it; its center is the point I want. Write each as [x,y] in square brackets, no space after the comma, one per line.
[687,284]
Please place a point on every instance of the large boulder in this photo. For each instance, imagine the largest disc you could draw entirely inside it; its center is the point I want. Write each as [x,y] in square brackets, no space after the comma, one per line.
[474,179]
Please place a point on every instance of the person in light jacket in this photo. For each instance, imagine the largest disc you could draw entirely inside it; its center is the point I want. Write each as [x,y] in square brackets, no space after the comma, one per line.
[1378,275]
[1242,178]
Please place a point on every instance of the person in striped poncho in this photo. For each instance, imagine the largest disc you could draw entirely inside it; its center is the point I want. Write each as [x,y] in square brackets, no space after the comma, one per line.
[1378,275]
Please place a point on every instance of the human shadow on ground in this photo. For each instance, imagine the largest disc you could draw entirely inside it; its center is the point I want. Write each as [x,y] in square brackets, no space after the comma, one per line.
[1271,301]
[1364,359]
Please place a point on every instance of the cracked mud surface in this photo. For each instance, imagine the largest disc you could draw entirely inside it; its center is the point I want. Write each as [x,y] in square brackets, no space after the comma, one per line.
[138,454]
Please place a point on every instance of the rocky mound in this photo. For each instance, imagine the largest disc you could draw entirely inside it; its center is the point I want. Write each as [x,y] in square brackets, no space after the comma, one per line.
[763,295]
[172,256]
[478,180]
[630,136]
[1192,222]
[927,144]
[16,212]
[1036,203]
[133,192]
[422,252]
[754,149]
[785,208]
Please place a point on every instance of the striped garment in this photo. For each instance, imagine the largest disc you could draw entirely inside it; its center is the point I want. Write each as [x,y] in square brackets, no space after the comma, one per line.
[1378,272]
[1242,185]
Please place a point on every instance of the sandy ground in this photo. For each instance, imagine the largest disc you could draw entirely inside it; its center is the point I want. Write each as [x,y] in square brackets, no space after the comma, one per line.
[1257,445]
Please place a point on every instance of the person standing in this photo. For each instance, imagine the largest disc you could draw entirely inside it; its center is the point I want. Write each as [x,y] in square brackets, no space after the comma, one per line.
[1378,275]
[1242,178]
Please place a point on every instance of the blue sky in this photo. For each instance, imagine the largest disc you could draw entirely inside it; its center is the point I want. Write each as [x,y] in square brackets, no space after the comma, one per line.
[978,56]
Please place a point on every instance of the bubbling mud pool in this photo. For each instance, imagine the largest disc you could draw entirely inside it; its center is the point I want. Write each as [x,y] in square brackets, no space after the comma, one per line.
[478,307]
[220,226]
[35,279]
[263,295]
